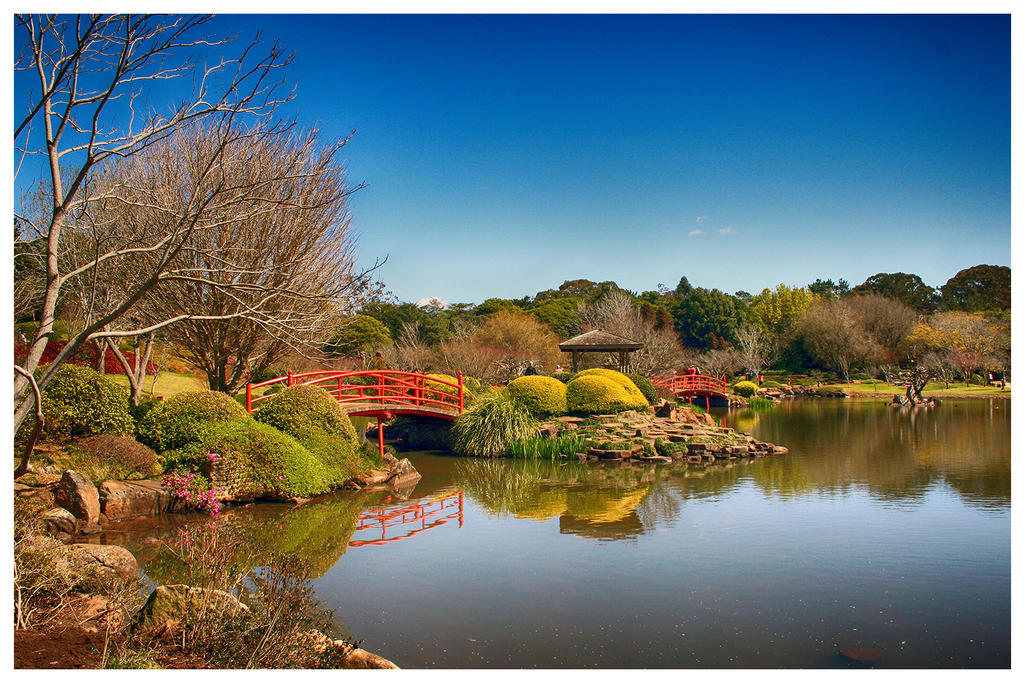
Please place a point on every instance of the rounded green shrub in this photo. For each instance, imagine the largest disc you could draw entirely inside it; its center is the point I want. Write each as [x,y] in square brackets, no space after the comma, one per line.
[745,389]
[305,410]
[79,401]
[645,386]
[639,401]
[321,425]
[178,421]
[245,460]
[594,393]
[771,384]
[542,396]
[112,456]
[491,426]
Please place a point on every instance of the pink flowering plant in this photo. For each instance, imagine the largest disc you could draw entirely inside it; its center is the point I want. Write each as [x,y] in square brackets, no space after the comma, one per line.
[194,490]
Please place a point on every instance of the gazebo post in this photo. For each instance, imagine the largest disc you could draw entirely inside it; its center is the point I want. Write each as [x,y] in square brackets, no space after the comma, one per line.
[575,362]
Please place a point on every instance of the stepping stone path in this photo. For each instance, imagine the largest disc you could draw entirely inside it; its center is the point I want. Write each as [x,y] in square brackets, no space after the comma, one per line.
[665,434]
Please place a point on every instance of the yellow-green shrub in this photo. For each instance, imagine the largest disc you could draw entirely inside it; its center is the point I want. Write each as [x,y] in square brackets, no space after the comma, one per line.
[637,396]
[539,394]
[594,393]
[438,391]
[745,389]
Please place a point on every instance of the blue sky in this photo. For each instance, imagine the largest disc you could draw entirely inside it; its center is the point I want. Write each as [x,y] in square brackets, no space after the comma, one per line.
[505,154]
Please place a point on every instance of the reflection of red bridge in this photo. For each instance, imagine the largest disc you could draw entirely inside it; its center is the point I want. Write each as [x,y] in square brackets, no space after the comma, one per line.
[377,393]
[410,520]
[692,385]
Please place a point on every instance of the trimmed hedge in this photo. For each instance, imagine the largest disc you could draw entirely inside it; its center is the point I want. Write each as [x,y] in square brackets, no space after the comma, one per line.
[79,401]
[594,393]
[645,386]
[542,396]
[319,423]
[306,410]
[637,398]
[246,460]
[745,389]
[562,377]
[178,421]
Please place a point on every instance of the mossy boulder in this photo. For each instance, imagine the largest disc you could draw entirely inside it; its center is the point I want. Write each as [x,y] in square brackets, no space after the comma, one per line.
[179,420]
[542,396]
[595,393]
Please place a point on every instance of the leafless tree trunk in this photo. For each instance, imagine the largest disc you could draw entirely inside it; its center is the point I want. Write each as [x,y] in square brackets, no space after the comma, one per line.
[92,71]
[270,269]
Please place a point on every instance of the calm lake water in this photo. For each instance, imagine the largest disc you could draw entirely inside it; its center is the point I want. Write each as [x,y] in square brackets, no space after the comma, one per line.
[881,528]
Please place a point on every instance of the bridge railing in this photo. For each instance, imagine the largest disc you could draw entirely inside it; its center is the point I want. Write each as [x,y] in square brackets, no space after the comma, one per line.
[385,388]
[691,384]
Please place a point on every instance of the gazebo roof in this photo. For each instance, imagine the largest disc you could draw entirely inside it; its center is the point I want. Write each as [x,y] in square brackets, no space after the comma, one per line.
[599,340]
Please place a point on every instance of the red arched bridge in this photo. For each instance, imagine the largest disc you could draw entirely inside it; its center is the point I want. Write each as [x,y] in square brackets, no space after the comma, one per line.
[376,393]
[691,385]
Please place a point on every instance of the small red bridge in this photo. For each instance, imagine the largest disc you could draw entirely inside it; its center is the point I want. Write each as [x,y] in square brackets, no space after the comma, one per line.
[376,393]
[692,385]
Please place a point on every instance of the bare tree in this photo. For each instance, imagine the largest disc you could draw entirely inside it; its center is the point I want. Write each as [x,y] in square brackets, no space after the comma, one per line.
[93,73]
[834,335]
[886,322]
[617,312]
[269,270]
[754,348]
[719,362]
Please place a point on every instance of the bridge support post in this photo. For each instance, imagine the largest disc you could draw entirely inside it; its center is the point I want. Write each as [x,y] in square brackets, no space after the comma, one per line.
[380,435]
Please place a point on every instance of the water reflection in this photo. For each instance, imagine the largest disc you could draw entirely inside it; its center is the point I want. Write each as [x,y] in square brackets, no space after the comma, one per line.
[396,524]
[897,455]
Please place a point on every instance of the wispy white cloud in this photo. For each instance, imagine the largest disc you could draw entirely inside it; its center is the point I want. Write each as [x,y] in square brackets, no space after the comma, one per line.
[698,231]
[728,230]
[701,219]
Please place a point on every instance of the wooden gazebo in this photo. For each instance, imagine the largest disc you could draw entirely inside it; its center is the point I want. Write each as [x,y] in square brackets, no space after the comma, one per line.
[600,341]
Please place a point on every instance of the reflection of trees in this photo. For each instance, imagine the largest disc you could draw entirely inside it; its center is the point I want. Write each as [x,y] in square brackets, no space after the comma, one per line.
[592,500]
[313,536]
[896,454]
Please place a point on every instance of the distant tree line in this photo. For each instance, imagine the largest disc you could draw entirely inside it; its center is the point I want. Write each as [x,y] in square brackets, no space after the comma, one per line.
[889,320]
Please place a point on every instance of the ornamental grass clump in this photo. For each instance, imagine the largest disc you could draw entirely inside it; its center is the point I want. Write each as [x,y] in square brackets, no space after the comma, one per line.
[541,396]
[491,426]
[178,421]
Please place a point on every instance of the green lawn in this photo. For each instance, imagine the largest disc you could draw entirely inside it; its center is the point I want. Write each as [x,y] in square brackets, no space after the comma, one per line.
[930,389]
[167,383]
